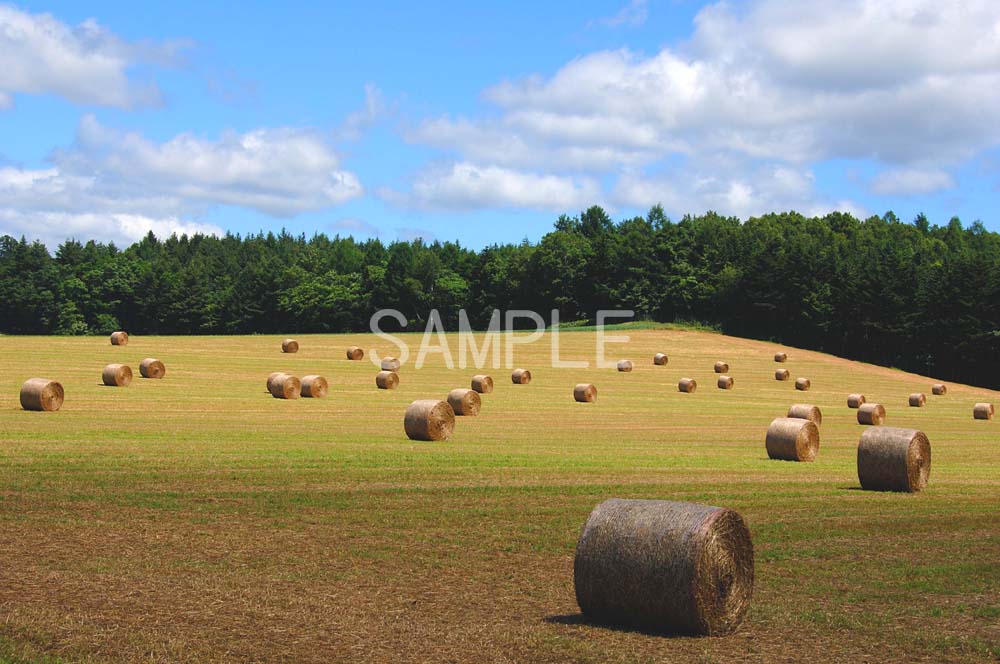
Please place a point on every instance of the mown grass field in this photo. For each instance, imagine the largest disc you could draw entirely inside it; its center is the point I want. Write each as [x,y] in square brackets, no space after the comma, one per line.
[197,519]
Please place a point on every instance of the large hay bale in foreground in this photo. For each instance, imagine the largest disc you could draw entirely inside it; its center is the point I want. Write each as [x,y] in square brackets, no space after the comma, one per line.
[286,386]
[520,377]
[387,380]
[792,439]
[117,375]
[871,413]
[725,382]
[939,389]
[271,376]
[625,365]
[721,367]
[429,419]
[390,364]
[855,400]
[354,353]
[465,402]
[152,368]
[917,400]
[482,383]
[672,567]
[660,359]
[687,385]
[780,357]
[803,384]
[289,346]
[315,387]
[982,411]
[891,459]
[805,411]
[42,394]
[119,338]
[782,374]
[585,393]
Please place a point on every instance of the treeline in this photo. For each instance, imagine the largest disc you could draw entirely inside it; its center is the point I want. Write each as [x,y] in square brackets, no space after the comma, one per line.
[912,295]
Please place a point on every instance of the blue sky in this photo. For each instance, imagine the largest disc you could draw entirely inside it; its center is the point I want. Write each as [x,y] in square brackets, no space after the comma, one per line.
[483,124]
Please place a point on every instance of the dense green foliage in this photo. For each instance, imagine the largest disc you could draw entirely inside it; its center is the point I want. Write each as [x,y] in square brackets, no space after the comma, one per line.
[916,296]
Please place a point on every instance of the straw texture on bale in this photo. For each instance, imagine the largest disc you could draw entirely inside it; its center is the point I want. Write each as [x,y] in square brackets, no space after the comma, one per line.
[387,380]
[355,353]
[286,386]
[871,413]
[891,459]
[465,402]
[521,376]
[585,393]
[482,383]
[803,384]
[625,365]
[687,385]
[152,368]
[429,419]
[117,375]
[939,389]
[780,357]
[805,411]
[390,364]
[792,439]
[271,376]
[315,387]
[855,400]
[982,411]
[721,367]
[119,338]
[42,394]
[918,400]
[725,382]
[289,346]
[660,359]
[671,567]
[781,374]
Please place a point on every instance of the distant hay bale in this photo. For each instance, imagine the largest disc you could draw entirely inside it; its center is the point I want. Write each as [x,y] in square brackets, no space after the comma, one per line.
[687,385]
[803,384]
[119,338]
[781,374]
[585,393]
[721,367]
[521,377]
[939,389]
[152,368]
[117,375]
[855,400]
[625,365]
[780,357]
[390,364]
[286,386]
[982,411]
[465,402]
[387,380]
[42,394]
[891,459]
[804,411]
[660,359]
[792,439]
[289,346]
[725,382]
[429,419]
[871,413]
[315,387]
[917,400]
[482,383]
[355,353]
[672,567]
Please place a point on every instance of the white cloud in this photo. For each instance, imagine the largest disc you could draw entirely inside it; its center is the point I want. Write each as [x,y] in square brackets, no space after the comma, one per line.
[356,227]
[633,15]
[53,228]
[911,181]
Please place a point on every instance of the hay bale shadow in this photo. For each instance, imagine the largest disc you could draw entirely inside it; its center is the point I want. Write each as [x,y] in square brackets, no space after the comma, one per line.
[580,620]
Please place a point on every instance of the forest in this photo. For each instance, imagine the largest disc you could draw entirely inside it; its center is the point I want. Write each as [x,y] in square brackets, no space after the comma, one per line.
[913,295]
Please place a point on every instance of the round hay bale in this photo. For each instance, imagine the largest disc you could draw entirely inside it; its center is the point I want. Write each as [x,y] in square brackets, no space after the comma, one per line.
[625,365]
[429,419]
[387,380]
[315,387]
[660,359]
[871,413]
[782,374]
[725,382]
[521,377]
[804,411]
[939,389]
[891,459]
[855,400]
[42,394]
[982,411]
[286,386]
[687,385]
[271,376]
[152,368]
[465,402]
[355,353]
[119,338]
[792,439]
[917,400]
[390,364]
[482,383]
[780,357]
[585,393]
[803,384]
[672,567]
[117,375]
[289,346]
[721,367]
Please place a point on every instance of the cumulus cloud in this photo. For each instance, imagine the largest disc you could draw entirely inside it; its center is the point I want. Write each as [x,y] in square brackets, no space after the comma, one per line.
[633,15]
[911,181]
[53,228]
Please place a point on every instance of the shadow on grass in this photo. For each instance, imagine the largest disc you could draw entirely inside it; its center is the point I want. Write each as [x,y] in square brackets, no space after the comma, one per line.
[581,620]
